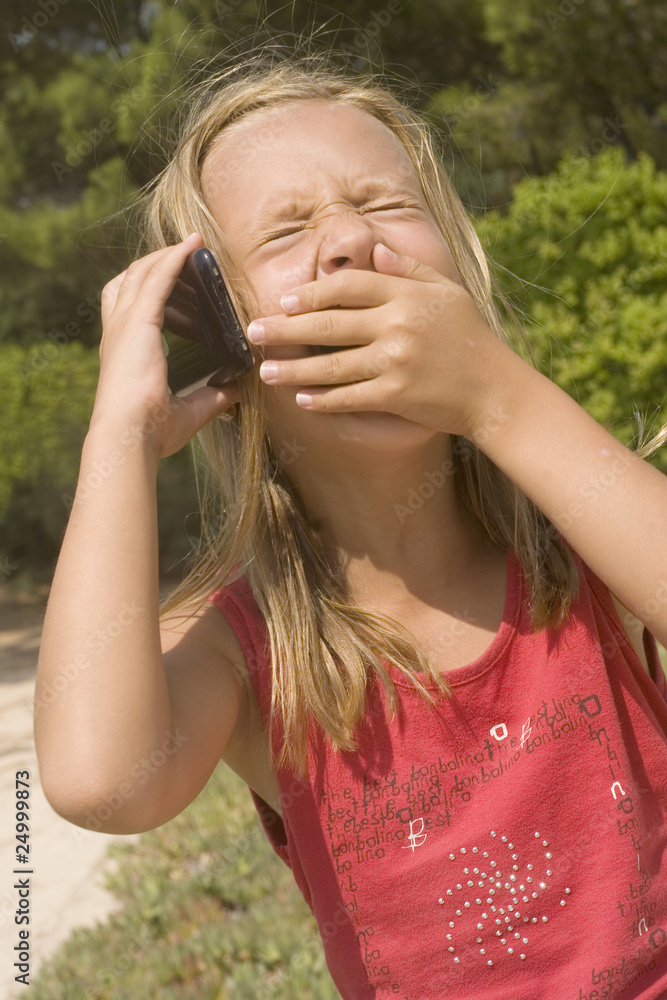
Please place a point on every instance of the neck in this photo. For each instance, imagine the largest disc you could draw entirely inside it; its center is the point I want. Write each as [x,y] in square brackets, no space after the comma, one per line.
[396,527]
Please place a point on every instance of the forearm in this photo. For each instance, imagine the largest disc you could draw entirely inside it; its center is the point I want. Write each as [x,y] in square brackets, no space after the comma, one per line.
[101,697]
[610,505]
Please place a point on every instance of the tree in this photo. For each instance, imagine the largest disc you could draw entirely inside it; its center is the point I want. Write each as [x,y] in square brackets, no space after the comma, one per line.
[583,252]
[565,54]
[576,76]
[91,93]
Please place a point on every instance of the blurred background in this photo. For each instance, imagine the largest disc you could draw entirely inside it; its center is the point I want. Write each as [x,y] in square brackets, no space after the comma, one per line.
[552,119]
[554,126]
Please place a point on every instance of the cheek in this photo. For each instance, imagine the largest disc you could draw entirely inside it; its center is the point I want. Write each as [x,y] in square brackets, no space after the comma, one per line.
[270,281]
[263,292]
[447,265]
[430,248]
[442,260]
[449,268]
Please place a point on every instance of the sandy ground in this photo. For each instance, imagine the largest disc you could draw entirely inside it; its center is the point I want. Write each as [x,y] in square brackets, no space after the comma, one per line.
[68,863]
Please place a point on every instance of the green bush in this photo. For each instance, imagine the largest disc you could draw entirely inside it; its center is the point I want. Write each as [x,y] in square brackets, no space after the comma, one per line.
[48,391]
[583,251]
[48,395]
[209,913]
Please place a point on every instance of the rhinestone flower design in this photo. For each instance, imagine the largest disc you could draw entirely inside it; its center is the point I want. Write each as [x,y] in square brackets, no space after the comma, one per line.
[493,898]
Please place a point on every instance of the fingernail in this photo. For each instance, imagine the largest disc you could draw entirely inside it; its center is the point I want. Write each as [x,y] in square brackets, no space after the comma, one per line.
[304,398]
[256,332]
[290,303]
[190,237]
[389,253]
[268,371]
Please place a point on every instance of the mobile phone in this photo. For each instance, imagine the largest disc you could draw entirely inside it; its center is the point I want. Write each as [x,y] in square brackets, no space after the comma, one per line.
[203,338]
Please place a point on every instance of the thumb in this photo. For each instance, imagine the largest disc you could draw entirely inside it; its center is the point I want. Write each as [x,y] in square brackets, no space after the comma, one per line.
[213,401]
[387,261]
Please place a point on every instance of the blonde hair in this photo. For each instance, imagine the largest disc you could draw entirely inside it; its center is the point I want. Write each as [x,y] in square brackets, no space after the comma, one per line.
[252,524]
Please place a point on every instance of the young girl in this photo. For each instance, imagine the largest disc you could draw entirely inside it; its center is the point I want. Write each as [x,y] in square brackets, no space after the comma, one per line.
[418,624]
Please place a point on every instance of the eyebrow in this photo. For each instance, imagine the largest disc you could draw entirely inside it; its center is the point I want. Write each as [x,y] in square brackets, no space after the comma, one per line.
[295,208]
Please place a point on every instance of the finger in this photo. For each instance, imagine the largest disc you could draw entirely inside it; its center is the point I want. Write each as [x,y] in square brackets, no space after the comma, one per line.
[158,271]
[354,397]
[399,265]
[347,288]
[325,369]
[110,295]
[352,287]
[331,327]
[211,401]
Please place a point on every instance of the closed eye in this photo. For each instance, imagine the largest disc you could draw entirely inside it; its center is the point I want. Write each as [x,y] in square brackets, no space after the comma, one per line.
[386,208]
[282,233]
[379,208]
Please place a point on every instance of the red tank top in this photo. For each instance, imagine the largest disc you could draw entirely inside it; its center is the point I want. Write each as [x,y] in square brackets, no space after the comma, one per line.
[509,845]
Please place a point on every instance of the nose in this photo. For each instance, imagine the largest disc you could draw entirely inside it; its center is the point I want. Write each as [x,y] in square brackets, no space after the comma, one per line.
[348,241]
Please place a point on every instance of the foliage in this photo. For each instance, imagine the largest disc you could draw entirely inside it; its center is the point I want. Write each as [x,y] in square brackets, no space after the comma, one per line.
[90,91]
[576,76]
[91,94]
[562,54]
[208,913]
[48,394]
[584,252]
[47,398]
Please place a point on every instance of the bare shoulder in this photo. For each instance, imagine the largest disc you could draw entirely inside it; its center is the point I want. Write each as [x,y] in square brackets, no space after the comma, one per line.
[203,630]
[204,666]
[208,678]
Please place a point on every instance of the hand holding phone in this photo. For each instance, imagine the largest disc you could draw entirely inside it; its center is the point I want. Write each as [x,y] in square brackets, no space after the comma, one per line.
[203,337]
[133,398]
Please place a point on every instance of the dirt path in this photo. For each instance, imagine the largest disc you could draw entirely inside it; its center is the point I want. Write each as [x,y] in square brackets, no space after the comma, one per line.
[68,862]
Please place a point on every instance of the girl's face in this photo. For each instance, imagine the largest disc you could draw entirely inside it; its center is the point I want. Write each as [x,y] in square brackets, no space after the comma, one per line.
[305,189]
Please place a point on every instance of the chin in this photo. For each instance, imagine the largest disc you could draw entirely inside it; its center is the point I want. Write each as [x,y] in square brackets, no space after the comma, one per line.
[379,428]
[373,431]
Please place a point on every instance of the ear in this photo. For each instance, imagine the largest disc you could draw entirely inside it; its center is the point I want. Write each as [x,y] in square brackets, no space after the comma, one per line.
[387,261]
